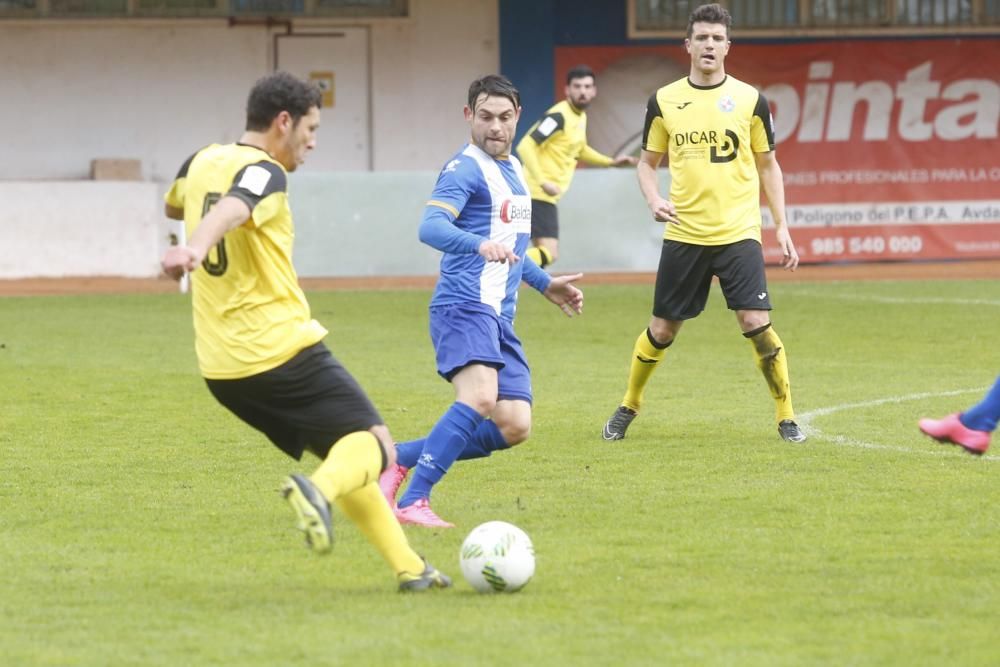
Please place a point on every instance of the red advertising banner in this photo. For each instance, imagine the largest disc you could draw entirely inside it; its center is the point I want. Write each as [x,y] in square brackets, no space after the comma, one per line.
[889,147]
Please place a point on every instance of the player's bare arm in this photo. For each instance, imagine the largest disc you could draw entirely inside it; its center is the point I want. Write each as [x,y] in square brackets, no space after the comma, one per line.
[772,182]
[624,161]
[662,209]
[562,292]
[229,213]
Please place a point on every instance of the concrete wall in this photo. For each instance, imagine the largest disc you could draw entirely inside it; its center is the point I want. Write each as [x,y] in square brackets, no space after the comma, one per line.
[347,224]
[80,229]
[158,90]
[366,224]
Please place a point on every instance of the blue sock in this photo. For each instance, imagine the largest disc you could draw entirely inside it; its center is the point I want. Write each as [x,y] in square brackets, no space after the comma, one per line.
[985,415]
[443,445]
[407,453]
[486,440]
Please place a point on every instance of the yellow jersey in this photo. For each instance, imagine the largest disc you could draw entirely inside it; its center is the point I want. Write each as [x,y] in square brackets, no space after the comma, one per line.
[552,147]
[709,135]
[250,315]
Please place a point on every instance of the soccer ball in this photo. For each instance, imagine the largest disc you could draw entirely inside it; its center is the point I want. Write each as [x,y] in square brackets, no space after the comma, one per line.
[497,557]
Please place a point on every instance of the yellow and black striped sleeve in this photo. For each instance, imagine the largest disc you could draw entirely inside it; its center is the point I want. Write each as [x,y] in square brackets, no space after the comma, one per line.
[762,127]
[547,126]
[175,195]
[654,133]
[263,187]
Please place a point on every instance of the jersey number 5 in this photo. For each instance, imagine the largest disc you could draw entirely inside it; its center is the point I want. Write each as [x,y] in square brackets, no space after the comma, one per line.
[215,262]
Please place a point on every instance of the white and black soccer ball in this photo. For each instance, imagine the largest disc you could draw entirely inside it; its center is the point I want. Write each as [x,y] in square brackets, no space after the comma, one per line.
[497,557]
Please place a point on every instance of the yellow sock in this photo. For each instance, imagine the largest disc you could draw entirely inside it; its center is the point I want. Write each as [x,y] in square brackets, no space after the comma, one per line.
[770,355]
[645,358]
[540,255]
[354,461]
[369,511]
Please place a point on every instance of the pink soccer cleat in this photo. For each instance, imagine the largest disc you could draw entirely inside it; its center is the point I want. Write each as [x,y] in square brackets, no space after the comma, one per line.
[950,430]
[390,481]
[421,514]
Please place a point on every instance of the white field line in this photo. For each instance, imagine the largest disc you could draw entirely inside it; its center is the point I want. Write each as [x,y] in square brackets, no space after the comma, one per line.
[805,421]
[927,300]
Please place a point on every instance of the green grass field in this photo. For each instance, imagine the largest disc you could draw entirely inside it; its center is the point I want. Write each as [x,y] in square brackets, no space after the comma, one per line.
[141,523]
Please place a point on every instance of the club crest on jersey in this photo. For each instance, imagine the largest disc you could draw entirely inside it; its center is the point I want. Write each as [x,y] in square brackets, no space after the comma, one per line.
[726,104]
[511,211]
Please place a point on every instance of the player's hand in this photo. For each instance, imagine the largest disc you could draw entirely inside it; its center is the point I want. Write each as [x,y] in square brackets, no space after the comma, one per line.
[497,252]
[790,257]
[624,160]
[562,292]
[178,260]
[664,211]
[551,189]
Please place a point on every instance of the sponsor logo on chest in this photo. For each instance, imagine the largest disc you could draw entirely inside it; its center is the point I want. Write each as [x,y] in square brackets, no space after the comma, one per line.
[512,210]
[515,210]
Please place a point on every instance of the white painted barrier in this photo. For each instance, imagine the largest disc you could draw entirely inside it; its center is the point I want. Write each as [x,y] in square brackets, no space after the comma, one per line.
[347,224]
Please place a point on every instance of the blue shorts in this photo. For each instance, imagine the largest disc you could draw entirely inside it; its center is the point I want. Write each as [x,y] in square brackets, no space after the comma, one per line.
[464,335]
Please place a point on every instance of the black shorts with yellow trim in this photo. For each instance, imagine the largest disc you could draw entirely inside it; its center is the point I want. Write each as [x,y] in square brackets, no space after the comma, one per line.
[307,403]
[684,278]
[544,219]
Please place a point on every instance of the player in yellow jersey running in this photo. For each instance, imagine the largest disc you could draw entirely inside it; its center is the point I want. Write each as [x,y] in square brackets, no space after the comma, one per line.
[259,349]
[718,136]
[550,151]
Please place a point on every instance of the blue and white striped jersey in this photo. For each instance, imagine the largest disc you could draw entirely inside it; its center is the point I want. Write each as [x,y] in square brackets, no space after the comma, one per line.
[483,198]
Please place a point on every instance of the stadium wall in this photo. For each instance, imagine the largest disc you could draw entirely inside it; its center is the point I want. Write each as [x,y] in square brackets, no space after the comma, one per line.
[157,90]
[82,228]
[347,224]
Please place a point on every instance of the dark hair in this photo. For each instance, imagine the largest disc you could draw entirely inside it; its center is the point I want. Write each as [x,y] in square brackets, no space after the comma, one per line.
[579,72]
[276,93]
[493,85]
[713,13]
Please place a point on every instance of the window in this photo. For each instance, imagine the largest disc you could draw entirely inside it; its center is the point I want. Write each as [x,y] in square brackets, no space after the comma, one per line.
[154,8]
[365,8]
[848,13]
[653,15]
[18,8]
[338,8]
[926,12]
[660,19]
[362,9]
[268,7]
[763,13]
[81,8]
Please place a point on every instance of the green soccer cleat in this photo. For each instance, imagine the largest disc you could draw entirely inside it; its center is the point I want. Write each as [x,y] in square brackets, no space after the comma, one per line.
[312,510]
[429,578]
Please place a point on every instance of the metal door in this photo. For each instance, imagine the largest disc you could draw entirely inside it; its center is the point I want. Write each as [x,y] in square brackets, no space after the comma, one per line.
[338,62]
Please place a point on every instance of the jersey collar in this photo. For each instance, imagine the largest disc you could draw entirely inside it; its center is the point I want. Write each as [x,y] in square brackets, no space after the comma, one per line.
[240,143]
[694,85]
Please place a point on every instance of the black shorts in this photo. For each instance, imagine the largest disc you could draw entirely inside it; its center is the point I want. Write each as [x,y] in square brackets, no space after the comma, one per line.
[685,276]
[544,219]
[307,403]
